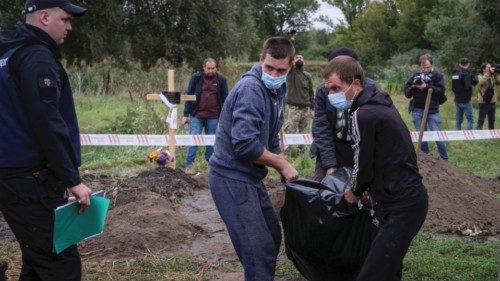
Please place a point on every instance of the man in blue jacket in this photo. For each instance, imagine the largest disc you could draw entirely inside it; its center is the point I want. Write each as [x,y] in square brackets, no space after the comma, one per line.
[39,138]
[210,89]
[247,141]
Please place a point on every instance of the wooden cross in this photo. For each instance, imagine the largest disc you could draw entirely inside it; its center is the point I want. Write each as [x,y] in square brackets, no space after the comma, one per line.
[171,98]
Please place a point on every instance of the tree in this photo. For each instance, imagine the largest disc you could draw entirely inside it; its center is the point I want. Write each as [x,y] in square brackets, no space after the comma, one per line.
[350,8]
[457,30]
[99,34]
[187,31]
[10,13]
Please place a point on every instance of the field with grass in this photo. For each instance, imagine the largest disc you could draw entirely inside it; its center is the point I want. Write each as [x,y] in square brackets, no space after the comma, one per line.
[432,256]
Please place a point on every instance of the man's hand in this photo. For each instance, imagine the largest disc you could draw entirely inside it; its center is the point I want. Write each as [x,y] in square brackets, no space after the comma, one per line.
[184,120]
[82,194]
[350,197]
[289,173]
[365,198]
[311,113]
[422,86]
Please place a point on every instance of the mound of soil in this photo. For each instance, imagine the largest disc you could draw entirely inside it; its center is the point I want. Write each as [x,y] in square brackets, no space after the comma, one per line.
[165,211]
[143,219]
[459,202]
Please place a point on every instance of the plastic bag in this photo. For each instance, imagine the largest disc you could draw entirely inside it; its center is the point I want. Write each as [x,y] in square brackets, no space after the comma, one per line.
[325,237]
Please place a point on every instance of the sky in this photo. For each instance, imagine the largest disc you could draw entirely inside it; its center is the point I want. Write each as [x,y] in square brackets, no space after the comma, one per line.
[332,12]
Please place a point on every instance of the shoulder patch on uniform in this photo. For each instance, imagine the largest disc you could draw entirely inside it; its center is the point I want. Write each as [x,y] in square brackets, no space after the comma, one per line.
[46,81]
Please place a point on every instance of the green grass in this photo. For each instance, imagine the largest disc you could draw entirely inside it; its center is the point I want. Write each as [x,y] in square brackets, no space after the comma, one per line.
[451,259]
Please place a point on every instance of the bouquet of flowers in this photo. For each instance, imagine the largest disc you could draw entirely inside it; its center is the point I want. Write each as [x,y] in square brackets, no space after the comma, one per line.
[161,156]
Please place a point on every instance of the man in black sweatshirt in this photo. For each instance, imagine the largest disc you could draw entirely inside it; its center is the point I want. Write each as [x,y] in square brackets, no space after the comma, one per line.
[461,83]
[385,165]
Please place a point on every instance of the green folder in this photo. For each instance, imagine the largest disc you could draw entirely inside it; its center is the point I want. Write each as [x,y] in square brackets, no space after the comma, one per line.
[71,227]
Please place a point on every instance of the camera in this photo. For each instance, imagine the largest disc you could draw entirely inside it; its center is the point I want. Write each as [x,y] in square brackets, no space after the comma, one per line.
[420,78]
[496,69]
[418,81]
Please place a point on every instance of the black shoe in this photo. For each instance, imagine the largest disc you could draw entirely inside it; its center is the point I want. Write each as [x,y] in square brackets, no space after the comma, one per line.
[3,269]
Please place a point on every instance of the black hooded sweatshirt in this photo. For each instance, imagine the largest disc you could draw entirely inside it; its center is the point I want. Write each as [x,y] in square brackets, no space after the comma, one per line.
[385,162]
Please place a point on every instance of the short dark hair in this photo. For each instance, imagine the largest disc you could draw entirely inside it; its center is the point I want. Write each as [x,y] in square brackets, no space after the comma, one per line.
[425,57]
[343,52]
[279,47]
[484,64]
[346,67]
[463,61]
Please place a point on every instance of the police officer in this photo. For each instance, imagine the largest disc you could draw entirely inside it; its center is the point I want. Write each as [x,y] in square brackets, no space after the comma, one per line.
[461,83]
[39,138]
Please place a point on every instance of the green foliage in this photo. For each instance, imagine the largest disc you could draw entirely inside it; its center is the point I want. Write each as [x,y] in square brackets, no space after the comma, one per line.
[188,31]
[457,30]
[99,34]
[451,259]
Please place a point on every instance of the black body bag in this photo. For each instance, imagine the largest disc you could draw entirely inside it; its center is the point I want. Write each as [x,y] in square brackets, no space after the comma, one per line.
[325,237]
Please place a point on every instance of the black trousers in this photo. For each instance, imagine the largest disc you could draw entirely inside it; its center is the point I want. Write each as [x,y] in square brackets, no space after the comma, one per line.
[397,229]
[28,208]
[486,109]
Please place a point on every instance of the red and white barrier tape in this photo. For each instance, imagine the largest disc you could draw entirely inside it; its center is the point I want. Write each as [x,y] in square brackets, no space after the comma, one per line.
[290,139]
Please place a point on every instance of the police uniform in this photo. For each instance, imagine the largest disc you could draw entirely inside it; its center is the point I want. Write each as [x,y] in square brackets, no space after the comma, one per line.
[40,148]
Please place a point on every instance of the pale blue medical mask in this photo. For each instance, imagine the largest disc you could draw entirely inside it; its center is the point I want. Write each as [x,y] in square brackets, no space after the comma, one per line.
[272,83]
[339,99]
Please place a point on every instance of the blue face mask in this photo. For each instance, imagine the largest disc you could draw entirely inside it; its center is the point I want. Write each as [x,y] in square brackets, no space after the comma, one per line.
[339,101]
[272,83]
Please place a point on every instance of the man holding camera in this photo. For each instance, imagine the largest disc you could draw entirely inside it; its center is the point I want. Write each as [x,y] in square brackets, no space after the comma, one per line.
[461,83]
[417,88]
[487,95]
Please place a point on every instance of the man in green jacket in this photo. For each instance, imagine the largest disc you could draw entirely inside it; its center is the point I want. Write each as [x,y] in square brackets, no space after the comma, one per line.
[300,98]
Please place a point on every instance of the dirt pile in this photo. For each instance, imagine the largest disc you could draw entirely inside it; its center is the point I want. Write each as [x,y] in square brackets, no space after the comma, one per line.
[143,219]
[459,202]
[165,211]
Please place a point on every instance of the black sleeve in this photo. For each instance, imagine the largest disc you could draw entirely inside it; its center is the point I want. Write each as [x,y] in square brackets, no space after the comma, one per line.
[437,85]
[409,89]
[189,104]
[39,76]
[363,137]
[322,130]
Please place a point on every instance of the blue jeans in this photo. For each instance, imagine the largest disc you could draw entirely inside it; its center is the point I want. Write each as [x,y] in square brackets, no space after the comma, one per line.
[464,108]
[196,126]
[434,123]
[251,222]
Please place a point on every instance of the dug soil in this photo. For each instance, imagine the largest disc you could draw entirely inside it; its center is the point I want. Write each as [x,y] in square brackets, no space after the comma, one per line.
[167,212]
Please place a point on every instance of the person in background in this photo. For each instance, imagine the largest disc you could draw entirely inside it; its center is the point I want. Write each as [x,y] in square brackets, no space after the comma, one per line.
[39,138]
[462,82]
[416,89]
[246,143]
[487,95]
[385,165]
[210,89]
[332,144]
[300,98]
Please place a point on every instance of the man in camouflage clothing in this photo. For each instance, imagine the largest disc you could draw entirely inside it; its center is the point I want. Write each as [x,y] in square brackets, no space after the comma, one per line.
[300,98]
